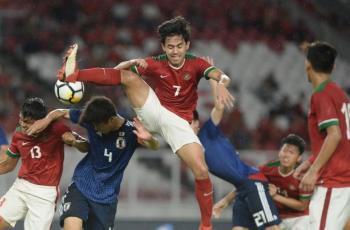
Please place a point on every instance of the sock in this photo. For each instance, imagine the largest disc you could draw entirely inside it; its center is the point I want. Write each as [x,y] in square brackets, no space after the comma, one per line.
[100,76]
[204,195]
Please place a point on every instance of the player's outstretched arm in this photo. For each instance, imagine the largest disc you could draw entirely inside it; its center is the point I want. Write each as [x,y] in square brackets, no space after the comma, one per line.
[218,110]
[145,138]
[7,163]
[134,62]
[223,203]
[42,124]
[75,140]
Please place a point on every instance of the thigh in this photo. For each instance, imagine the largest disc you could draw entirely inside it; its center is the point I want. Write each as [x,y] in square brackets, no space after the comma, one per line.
[261,205]
[12,206]
[73,204]
[339,208]
[101,216]
[150,113]
[241,216]
[40,213]
[177,131]
[296,223]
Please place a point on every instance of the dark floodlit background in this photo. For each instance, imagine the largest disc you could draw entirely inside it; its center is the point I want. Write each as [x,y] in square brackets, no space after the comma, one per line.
[254,41]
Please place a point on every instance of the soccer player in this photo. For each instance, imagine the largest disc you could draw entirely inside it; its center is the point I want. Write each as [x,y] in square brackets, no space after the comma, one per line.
[254,207]
[329,131]
[167,107]
[91,200]
[34,193]
[292,202]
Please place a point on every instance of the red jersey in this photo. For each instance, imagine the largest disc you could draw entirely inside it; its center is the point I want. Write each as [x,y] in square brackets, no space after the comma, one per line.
[287,186]
[42,157]
[176,88]
[330,106]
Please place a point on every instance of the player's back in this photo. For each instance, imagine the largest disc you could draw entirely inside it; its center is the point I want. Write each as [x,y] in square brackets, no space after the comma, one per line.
[42,156]
[222,158]
[335,110]
[176,88]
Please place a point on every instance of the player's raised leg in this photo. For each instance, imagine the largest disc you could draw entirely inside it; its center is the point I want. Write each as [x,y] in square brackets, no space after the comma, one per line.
[135,88]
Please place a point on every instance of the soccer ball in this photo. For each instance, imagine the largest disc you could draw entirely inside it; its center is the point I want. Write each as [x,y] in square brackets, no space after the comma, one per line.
[69,92]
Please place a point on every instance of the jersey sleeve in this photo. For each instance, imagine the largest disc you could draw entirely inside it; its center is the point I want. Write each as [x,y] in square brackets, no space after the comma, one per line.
[13,151]
[3,138]
[74,115]
[210,129]
[204,67]
[325,111]
[143,71]
[304,195]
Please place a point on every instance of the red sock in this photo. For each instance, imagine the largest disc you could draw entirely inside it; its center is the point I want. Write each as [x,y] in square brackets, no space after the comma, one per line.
[100,76]
[204,194]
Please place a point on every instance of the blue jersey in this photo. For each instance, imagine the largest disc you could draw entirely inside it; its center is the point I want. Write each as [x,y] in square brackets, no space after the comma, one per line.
[221,157]
[99,174]
[3,138]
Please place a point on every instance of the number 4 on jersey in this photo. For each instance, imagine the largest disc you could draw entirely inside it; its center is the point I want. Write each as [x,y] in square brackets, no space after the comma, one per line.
[108,154]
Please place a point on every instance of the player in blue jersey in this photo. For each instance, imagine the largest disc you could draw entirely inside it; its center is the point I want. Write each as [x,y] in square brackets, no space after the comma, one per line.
[91,200]
[253,207]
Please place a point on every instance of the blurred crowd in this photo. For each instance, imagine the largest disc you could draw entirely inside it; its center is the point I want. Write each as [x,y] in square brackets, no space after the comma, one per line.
[111,31]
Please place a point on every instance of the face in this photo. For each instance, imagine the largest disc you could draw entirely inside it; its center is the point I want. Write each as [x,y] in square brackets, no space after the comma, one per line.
[104,127]
[195,126]
[175,48]
[289,155]
[308,70]
[25,122]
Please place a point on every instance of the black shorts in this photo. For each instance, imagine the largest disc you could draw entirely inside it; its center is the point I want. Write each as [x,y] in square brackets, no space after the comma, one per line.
[95,216]
[253,207]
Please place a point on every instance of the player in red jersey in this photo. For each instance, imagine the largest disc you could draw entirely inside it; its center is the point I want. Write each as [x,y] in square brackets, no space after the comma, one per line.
[292,202]
[165,107]
[329,131]
[33,195]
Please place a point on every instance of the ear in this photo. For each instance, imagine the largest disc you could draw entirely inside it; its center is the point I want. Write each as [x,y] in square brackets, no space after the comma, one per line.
[188,45]
[299,159]
[163,46]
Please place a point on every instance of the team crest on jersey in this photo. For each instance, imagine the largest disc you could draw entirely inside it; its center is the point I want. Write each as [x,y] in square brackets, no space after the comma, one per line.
[120,143]
[187,76]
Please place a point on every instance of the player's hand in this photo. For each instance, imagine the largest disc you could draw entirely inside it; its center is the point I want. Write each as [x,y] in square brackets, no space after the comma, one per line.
[309,180]
[139,63]
[38,126]
[272,190]
[218,208]
[141,132]
[224,96]
[69,138]
[301,169]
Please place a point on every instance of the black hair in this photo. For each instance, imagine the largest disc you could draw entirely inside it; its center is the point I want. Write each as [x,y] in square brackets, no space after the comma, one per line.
[321,56]
[98,110]
[293,139]
[34,108]
[175,26]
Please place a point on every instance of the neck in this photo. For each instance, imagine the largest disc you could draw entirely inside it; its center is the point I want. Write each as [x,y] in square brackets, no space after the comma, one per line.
[318,79]
[177,66]
[118,122]
[285,170]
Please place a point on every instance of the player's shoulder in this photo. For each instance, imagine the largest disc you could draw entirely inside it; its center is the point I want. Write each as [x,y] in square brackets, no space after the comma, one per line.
[271,165]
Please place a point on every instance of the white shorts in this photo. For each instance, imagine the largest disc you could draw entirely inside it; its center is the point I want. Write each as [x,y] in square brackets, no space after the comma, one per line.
[296,223]
[329,207]
[35,203]
[174,129]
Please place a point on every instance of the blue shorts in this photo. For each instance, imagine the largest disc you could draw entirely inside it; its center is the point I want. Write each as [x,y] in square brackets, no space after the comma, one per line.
[253,207]
[95,216]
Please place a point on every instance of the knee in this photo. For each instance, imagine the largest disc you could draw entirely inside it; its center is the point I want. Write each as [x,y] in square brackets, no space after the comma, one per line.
[200,171]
